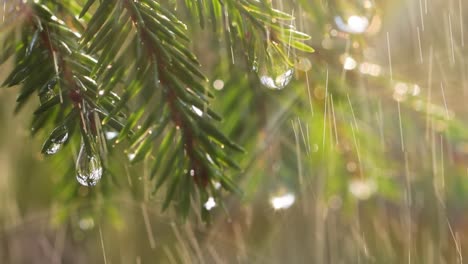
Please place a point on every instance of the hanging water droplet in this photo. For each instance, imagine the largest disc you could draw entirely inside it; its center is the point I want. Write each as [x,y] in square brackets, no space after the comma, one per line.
[88,166]
[56,140]
[53,148]
[273,70]
[352,16]
[47,91]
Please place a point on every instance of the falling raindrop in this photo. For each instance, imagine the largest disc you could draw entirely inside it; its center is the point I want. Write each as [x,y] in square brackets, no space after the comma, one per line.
[56,140]
[88,166]
[352,17]
[273,69]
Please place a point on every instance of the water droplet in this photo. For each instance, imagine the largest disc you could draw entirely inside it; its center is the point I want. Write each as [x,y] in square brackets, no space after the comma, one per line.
[47,91]
[352,17]
[53,148]
[131,156]
[208,157]
[416,90]
[210,204]
[88,166]
[370,69]
[111,135]
[400,91]
[362,189]
[349,63]
[218,84]
[197,110]
[217,185]
[57,138]
[255,65]
[273,70]
[86,223]
[283,201]
[315,148]
[303,64]
[46,96]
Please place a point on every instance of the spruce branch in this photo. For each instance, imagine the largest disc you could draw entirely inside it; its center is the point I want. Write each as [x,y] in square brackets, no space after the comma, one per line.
[159,65]
[50,63]
[126,68]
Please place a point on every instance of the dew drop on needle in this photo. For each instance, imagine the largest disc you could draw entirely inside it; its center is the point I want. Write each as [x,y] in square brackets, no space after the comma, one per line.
[273,69]
[58,137]
[88,166]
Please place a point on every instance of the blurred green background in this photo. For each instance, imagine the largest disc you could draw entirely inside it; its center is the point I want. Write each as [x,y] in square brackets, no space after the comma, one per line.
[361,159]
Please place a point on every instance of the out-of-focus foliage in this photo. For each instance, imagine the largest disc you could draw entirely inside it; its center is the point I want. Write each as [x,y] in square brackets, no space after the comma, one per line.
[357,152]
